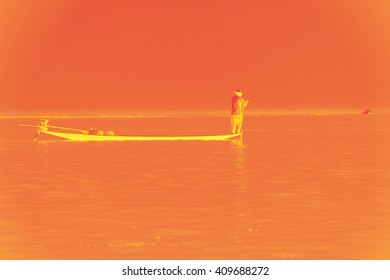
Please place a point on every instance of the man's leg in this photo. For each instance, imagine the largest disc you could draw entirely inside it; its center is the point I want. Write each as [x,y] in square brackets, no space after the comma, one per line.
[233,123]
[239,124]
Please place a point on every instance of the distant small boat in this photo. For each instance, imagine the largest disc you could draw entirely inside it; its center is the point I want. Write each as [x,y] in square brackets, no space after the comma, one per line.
[367,112]
[87,137]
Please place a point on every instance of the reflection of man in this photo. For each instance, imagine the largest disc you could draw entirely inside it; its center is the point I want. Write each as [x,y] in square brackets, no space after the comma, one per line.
[238,104]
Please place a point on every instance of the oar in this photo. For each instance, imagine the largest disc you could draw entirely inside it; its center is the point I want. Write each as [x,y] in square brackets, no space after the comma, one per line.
[58,127]
[242,116]
[68,128]
[37,135]
[242,122]
[35,126]
[28,125]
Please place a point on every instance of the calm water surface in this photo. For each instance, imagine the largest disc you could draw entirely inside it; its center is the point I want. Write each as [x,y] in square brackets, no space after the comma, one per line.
[297,187]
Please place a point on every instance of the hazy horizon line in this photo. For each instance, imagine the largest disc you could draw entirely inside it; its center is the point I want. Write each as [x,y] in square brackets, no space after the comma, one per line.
[161,114]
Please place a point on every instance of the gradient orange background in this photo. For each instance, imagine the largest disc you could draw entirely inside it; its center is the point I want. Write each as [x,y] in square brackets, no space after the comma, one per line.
[59,56]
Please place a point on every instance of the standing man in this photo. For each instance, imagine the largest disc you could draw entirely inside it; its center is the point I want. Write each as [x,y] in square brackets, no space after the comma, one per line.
[237,113]
[42,125]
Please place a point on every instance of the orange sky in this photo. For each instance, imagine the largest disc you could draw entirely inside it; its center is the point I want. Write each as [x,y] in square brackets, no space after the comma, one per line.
[179,55]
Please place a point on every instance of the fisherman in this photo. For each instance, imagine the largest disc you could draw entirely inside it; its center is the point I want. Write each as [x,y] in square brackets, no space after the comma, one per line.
[42,126]
[238,104]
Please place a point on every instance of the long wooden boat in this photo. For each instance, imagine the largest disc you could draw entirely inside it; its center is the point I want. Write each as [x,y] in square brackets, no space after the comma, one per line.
[89,137]
[95,134]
